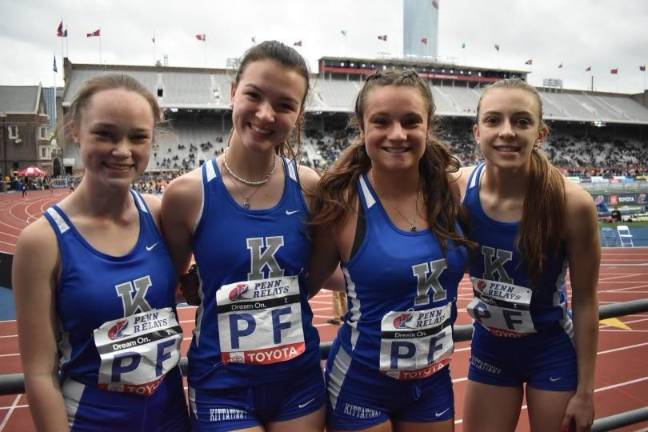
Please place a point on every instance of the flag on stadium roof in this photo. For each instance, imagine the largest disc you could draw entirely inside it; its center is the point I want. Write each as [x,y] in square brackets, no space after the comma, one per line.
[153,39]
[59,30]
[54,68]
[253,39]
[298,43]
[642,68]
[529,62]
[201,37]
[382,38]
[435,3]
[614,71]
[94,33]
[497,47]
[560,66]
[463,45]
[424,40]
[343,32]
[588,68]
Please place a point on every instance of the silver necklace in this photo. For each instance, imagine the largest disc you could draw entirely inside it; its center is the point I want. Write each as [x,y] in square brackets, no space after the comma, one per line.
[411,222]
[246,181]
[246,199]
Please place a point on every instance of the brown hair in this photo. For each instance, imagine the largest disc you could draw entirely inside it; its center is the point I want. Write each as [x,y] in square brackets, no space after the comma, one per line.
[337,187]
[541,228]
[290,59]
[107,82]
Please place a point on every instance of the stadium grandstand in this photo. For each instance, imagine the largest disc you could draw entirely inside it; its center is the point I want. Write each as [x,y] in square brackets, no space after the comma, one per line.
[593,133]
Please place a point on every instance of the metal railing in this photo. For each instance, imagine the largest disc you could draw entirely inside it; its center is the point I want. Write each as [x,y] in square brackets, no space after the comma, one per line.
[15,383]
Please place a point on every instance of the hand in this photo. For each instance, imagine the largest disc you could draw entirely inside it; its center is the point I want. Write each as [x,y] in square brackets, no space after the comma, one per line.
[189,286]
[579,414]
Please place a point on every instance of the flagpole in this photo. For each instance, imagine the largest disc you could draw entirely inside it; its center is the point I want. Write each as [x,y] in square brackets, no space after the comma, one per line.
[154,49]
[62,53]
[100,56]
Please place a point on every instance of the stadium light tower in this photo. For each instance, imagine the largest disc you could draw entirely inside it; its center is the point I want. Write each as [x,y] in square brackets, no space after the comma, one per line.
[420,28]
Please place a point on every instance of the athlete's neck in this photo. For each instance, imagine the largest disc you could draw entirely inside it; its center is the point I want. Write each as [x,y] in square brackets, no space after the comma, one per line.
[246,163]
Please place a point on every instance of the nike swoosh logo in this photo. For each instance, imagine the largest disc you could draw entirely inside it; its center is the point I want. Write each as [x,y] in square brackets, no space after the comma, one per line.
[150,248]
[305,404]
[291,212]
[552,379]
[439,414]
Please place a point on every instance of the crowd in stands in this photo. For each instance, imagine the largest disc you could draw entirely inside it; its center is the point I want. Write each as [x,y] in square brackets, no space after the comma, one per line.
[579,155]
[583,156]
[156,182]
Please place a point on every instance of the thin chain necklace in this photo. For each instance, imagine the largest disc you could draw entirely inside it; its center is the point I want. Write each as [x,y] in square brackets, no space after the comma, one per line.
[244,180]
[411,222]
[246,199]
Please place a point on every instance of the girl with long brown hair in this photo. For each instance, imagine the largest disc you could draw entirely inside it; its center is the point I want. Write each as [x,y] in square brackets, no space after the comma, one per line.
[530,226]
[387,212]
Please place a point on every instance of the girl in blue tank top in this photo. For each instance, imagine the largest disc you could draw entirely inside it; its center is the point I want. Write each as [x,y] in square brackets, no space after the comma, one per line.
[530,227]
[254,357]
[387,212]
[95,284]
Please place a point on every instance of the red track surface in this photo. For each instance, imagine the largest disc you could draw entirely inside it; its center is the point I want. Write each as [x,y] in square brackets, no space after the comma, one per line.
[622,363]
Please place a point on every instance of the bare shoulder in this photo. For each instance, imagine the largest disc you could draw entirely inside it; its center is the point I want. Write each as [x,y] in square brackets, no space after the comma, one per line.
[580,212]
[579,202]
[37,245]
[184,190]
[308,178]
[460,178]
[153,203]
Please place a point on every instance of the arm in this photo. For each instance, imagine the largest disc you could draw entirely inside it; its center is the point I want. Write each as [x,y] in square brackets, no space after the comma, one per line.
[323,263]
[34,275]
[181,203]
[324,256]
[308,180]
[584,252]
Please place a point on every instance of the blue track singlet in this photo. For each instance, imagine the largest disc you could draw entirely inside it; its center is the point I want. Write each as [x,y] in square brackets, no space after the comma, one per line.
[505,301]
[401,296]
[254,324]
[118,331]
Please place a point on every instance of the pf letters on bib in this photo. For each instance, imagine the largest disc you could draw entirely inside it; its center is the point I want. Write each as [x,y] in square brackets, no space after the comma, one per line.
[415,344]
[137,351]
[260,321]
[502,308]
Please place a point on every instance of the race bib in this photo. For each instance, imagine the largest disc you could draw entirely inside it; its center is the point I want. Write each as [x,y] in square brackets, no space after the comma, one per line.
[504,309]
[415,344]
[260,321]
[137,351]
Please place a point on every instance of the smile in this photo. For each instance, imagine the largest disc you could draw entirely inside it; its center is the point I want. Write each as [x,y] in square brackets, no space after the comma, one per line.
[260,130]
[508,149]
[118,167]
[396,149]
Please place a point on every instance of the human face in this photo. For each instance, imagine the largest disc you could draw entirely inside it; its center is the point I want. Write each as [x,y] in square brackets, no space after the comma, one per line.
[115,133]
[395,127]
[509,127]
[266,104]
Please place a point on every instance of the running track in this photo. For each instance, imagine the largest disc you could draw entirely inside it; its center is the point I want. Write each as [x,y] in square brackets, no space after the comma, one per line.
[622,363]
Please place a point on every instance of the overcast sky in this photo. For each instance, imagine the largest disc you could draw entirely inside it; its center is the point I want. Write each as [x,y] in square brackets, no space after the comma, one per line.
[603,34]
